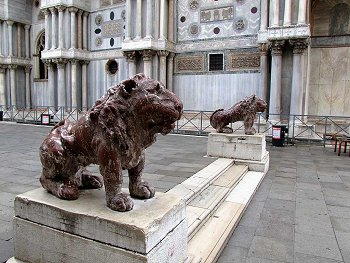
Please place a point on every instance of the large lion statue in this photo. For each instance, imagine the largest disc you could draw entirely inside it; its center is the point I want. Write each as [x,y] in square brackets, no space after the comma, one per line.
[113,134]
[244,110]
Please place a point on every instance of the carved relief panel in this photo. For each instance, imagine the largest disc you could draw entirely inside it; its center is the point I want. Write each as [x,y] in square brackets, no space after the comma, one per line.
[208,19]
[190,63]
[243,61]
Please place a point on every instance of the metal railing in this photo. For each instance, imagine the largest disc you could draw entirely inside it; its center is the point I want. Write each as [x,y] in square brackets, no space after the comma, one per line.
[310,128]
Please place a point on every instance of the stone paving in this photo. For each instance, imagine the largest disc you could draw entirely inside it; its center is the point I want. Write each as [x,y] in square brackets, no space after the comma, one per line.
[300,213]
[171,160]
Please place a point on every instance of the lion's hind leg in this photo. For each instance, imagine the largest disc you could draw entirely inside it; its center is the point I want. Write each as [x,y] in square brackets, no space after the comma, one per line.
[87,180]
[226,129]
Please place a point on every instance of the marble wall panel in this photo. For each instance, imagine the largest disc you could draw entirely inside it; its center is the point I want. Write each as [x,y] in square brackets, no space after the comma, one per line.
[213,91]
[19,10]
[329,81]
[40,94]
[207,19]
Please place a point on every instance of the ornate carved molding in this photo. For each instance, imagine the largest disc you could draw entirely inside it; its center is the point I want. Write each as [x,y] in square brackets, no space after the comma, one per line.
[299,45]
[277,47]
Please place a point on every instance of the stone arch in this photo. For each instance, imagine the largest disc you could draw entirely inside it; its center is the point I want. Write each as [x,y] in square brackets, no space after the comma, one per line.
[339,20]
[40,67]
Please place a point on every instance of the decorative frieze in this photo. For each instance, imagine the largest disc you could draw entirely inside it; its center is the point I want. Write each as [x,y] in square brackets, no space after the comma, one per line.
[243,61]
[189,63]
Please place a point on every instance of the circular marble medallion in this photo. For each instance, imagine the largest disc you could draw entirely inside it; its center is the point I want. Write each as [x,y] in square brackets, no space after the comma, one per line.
[216,30]
[240,24]
[98,42]
[193,4]
[194,29]
[240,2]
[123,15]
[254,10]
[98,20]
[183,19]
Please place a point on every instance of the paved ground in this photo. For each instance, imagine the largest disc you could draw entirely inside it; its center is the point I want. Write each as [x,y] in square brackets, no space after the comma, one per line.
[301,212]
[168,162]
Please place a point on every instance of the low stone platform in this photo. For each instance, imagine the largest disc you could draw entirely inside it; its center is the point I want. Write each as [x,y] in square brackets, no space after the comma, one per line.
[48,229]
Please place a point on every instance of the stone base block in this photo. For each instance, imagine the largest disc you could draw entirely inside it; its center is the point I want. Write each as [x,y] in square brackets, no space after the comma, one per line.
[48,229]
[256,166]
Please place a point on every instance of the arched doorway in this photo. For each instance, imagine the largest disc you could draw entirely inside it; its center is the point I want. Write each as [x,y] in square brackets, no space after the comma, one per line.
[40,67]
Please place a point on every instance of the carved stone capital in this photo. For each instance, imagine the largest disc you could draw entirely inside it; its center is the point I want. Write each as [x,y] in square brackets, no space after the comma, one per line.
[163,53]
[12,66]
[48,62]
[53,10]
[74,61]
[73,9]
[130,55]
[27,27]
[85,62]
[9,22]
[27,69]
[299,45]
[60,62]
[277,47]
[3,68]
[148,54]
[80,12]
[86,14]
[264,48]
[171,56]
[61,8]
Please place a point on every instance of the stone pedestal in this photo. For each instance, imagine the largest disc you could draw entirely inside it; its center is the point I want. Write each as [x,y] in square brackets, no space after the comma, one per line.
[244,149]
[48,229]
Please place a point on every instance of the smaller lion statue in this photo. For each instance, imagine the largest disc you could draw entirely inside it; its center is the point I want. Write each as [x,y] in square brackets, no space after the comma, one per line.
[245,111]
[113,134]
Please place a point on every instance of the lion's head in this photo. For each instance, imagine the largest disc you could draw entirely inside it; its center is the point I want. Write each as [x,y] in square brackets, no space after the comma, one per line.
[139,104]
[253,104]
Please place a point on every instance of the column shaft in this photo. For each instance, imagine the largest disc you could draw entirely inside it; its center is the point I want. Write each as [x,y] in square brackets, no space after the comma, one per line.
[61,79]
[128,20]
[264,15]
[10,38]
[80,29]
[2,86]
[162,66]
[147,62]
[170,69]
[27,40]
[51,84]
[73,28]
[74,84]
[60,27]
[138,19]
[163,32]
[54,28]
[28,87]
[287,21]
[13,85]
[1,38]
[85,30]
[276,13]
[264,70]
[84,81]
[47,30]
[19,41]
[302,12]
[149,26]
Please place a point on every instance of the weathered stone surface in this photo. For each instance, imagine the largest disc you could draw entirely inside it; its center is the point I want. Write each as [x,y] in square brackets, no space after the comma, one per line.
[139,230]
[244,147]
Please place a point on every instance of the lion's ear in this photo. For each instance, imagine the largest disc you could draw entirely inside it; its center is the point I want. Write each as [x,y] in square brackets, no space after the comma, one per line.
[128,86]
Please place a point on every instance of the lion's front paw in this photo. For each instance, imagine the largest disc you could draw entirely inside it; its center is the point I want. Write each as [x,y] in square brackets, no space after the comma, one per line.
[68,192]
[121,202]
[250,131]
[142,191]
[227,129]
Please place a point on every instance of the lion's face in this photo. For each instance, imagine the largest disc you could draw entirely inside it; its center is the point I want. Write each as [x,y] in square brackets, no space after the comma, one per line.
[152,104]
[260,105]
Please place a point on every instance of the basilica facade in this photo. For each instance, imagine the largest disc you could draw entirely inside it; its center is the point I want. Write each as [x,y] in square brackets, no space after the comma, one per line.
[66,53]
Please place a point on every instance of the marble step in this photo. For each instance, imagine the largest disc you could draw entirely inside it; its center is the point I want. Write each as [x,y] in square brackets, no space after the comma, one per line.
[208,242]
[206,203]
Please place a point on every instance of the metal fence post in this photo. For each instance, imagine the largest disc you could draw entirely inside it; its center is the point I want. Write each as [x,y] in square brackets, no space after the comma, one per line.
[325,132]
[201,125]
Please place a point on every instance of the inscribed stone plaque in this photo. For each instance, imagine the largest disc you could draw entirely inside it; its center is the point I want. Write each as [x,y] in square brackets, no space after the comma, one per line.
[216,14]
[112,28]
[239,61]
[189,64]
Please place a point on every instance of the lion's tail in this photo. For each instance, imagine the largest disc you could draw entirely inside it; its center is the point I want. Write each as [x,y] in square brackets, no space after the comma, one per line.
[212,118]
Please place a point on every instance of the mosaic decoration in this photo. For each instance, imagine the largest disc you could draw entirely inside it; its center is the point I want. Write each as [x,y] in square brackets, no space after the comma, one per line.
[218,14]
[241,61]
[208,19]
[189,64]
[109,29]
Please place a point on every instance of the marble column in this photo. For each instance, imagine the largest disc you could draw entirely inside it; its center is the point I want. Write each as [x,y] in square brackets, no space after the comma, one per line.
[264,13]
[80,29]
[13,85]
[27,40]
[84,84]
[61,27]
[2,85]
[19,40]
[287,21]
[162,66]
[170,22]
[170,70]
[53,27]
[61,82]
[163,31]
[276,13]
[73,27]
[296,101]
[276,80]
[264,48]
[74,84]
[1,39]
[51,83]
[131,57]
[147,56]
[302,12]
[138,34]
[85,30]
[47,29]
[28,86]
[128,21]
[10,37]
[149,25]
